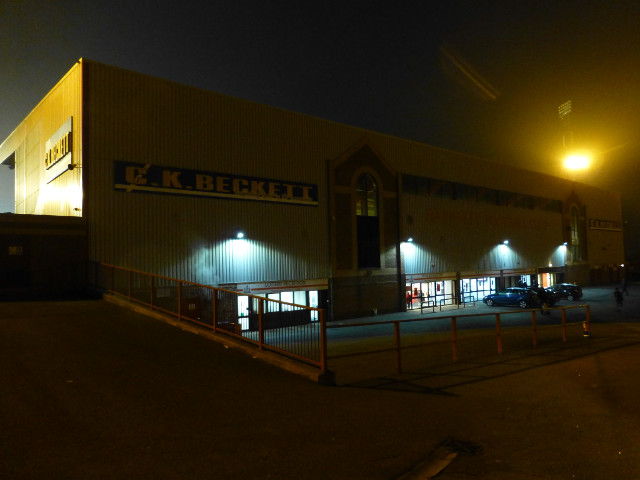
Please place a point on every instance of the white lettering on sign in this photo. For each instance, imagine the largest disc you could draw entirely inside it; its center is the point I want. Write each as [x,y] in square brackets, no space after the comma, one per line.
[132,177]
[58,158]
[610,225]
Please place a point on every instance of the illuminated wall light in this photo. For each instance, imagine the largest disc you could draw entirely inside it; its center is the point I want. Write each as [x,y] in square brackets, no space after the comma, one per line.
[506,242]
[240,235]
[409,250]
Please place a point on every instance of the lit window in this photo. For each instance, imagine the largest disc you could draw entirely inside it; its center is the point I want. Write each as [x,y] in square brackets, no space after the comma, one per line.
[575,234]
[366,196]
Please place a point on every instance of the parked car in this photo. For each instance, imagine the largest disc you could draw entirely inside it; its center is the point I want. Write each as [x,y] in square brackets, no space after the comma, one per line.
[546,296]
[569,291]
[514,296]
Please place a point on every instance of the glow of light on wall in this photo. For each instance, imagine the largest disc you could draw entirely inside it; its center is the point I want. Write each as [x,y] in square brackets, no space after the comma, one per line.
[52,198]
[236,260]
[74,195]
[559,256]
[239,246]
[409,255]
[408,248]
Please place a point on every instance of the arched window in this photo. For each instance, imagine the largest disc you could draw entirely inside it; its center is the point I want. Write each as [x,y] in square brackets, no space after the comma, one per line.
[575,234]
[366,196]
[368,222]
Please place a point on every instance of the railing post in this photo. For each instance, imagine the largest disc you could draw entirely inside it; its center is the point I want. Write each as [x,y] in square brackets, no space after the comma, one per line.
[586,325]
[130,285]
[152,291]
[323,341]
[564,324]
[260,325]
[396,331]
[213,309]
[535,333]
[454,339]
[179,300]
[498,333]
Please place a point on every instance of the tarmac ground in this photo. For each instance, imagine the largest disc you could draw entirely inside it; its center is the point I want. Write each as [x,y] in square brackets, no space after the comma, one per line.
[93,390]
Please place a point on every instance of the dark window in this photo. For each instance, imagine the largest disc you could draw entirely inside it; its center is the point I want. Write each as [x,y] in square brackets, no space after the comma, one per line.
[368,242]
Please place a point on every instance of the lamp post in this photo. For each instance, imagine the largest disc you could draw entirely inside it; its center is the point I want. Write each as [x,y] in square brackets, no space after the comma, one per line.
[574,160]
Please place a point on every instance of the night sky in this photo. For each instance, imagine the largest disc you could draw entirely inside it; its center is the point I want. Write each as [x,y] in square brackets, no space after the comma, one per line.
[480,77]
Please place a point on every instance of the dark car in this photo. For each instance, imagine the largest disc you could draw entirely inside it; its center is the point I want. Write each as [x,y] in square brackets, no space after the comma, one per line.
[546,296]
[569,291]
[514,296]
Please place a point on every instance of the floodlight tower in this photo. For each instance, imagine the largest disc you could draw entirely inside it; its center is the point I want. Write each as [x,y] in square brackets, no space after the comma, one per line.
[564,112]
[573,160]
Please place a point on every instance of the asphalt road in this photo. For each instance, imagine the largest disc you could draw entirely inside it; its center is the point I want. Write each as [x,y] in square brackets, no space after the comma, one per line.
[91,390]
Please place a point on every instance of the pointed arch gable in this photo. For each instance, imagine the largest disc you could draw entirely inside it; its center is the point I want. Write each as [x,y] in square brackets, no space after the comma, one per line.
[362,155]
[365,249]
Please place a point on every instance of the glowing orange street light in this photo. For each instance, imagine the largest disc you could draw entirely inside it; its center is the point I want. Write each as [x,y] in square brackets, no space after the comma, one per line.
[577,161]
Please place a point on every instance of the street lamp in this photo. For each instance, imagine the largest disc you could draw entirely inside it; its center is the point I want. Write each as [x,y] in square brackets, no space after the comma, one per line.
[577,161]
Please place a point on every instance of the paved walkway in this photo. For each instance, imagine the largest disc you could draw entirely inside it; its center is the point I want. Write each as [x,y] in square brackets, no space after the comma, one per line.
[91,390]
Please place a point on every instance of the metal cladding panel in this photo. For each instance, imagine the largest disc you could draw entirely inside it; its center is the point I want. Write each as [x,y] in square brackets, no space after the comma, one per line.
[129,117]
[135,118]
[36,192]
[451,235]
[414,158]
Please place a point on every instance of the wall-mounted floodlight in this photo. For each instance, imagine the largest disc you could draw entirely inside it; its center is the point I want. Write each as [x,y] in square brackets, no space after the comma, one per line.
[506,242]
[240,235]
[565,244]
[410,239]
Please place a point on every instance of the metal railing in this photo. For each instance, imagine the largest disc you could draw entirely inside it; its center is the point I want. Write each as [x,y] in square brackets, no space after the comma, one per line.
[448,301]
[455,320]
[296,331]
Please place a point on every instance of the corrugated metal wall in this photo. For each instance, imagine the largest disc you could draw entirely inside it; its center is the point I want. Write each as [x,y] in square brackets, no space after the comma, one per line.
[459,235]
[135,118]
[62,196]
[132,117]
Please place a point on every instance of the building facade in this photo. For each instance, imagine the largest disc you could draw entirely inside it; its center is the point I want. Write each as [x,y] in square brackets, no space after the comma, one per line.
[200,186]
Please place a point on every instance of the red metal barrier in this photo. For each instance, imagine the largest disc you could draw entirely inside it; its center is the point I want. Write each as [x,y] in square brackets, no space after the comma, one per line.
[454,331]
[305,342]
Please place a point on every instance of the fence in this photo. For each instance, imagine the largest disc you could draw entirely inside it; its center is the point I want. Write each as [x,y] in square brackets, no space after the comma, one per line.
[296,331]
[430,303]
[454,335]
